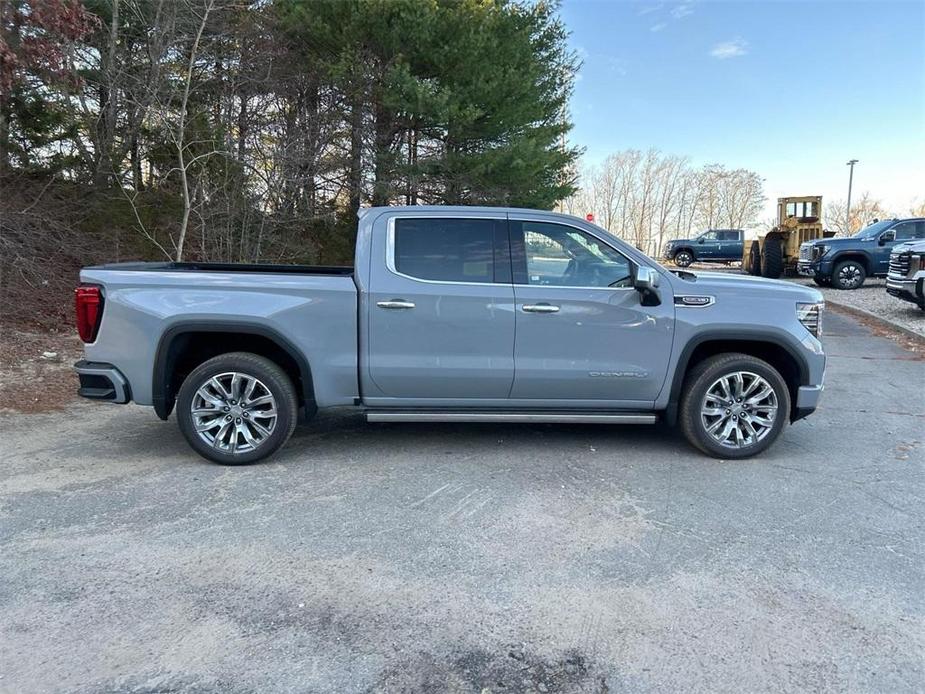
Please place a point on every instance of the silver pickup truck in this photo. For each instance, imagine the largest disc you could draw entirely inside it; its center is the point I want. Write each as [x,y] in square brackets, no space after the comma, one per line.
[460,314]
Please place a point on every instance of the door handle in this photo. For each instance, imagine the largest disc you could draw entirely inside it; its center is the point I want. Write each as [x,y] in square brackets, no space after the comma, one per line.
[540,308]
[395,303]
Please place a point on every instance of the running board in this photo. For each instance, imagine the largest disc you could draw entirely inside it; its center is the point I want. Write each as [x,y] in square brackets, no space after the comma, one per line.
[527,417]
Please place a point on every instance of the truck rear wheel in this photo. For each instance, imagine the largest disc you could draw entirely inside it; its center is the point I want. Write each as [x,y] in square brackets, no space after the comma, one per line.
[733,406]
[237,408]
[772,260]
[754,259]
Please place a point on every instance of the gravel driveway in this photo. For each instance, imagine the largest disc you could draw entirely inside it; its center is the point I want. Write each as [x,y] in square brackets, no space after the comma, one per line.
[872,297]
[476,558]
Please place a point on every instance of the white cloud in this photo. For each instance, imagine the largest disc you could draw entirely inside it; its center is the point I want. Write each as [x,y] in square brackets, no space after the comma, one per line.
[657,27]
[681,11]
[729,49]
[648,10]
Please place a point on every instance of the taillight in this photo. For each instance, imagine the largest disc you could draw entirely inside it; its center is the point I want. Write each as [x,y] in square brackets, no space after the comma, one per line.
[89,304]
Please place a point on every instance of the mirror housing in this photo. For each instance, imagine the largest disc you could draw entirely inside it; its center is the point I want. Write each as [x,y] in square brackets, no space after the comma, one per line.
[700,239]
[646,283]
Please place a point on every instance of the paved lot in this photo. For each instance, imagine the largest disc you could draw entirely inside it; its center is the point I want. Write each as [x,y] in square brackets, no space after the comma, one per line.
[472,558]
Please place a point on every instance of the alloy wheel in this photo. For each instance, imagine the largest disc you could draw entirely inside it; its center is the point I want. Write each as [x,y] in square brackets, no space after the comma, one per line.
[234,412]
[738,409]
[849,276]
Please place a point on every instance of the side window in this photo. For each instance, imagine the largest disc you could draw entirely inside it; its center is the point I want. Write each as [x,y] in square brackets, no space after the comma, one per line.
[732,235]
[446,250]
[920,230]
[905,231]
[563,256]
[710,236]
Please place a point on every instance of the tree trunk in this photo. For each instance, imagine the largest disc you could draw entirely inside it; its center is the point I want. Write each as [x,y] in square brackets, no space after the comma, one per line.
[355,167]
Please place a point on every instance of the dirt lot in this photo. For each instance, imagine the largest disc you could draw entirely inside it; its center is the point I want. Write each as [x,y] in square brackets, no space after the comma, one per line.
[433,558]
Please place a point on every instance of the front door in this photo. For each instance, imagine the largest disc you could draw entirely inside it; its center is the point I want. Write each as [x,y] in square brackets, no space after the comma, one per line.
[441,310]
[583,334]
[708,245]
[901,233]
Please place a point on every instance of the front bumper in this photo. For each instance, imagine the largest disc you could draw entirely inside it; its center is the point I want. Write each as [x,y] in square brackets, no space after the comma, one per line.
[814,268]
[101,381]
[905,288]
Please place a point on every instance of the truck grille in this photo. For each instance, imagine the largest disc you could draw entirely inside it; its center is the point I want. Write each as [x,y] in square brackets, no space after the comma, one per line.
[900,263]
[806,252]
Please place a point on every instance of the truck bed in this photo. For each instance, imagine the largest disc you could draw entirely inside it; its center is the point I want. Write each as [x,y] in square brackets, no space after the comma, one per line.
[333,270]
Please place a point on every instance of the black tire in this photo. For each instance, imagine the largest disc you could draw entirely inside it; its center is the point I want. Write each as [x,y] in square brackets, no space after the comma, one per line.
[693,397]
[683,258]
[271,378]
[848,274]
[822,280]
[772,260]
[754,259]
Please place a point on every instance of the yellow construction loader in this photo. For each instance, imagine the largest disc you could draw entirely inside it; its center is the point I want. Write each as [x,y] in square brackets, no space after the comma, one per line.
[776,252]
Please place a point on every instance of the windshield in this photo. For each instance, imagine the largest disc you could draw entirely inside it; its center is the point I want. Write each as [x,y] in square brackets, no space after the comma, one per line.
[873,229]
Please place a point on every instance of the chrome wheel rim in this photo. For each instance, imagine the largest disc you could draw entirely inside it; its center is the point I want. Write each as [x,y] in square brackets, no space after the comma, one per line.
[234,412]
[739,409]
[850,275]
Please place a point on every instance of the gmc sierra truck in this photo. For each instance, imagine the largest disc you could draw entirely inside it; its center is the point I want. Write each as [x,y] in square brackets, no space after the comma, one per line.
[454,314]
[712,246]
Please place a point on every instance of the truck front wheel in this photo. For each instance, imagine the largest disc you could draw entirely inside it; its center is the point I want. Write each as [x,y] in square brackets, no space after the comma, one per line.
[237,408]
[733,406]
[848,274]
[683,258]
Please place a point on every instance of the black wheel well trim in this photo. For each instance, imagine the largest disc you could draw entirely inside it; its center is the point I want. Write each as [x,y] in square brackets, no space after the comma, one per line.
[689,249]
[732,335]
[163,401]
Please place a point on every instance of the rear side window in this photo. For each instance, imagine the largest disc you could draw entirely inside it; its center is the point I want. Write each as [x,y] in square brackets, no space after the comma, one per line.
[731,235]
[446,250]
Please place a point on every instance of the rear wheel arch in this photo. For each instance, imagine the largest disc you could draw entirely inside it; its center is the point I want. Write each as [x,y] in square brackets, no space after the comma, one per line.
[184,346]
[766,346]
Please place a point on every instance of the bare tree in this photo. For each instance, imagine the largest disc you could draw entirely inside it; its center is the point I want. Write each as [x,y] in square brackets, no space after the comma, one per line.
[864,211]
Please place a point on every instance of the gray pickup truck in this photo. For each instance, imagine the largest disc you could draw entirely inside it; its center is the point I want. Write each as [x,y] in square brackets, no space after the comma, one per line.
[459,314]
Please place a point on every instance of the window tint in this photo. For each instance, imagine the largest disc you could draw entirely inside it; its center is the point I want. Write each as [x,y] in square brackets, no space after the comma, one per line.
[562,256]
[710,236]
[447,250]
[905,231]
[731,235]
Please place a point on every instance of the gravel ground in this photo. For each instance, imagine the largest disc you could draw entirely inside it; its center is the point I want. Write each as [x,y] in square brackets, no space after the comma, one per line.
[872,297]
[477,558]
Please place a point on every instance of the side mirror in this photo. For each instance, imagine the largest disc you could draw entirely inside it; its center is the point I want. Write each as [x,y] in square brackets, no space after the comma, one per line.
[887,236]
[701,240]
[646,283]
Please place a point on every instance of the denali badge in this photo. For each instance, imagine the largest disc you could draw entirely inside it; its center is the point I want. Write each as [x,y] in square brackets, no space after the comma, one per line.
[696,301]
[618,374]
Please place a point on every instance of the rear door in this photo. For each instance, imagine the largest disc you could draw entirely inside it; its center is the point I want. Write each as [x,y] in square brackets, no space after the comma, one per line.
[733,244]
[440,309]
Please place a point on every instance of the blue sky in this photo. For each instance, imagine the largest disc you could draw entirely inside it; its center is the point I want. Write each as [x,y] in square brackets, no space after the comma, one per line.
[791,90]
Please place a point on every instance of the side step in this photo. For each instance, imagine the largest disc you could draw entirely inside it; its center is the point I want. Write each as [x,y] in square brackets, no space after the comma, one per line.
[525,417]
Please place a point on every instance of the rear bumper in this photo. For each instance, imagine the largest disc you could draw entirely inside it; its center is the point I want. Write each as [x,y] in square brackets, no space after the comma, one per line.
[101,381]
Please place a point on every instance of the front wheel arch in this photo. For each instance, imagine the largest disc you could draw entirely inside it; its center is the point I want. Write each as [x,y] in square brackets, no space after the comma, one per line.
[184,346]
[761,344]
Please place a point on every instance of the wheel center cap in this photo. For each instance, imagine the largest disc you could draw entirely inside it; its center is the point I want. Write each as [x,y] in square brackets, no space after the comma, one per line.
[236,411]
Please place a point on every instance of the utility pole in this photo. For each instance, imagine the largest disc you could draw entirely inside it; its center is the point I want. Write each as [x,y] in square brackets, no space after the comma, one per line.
[850,181]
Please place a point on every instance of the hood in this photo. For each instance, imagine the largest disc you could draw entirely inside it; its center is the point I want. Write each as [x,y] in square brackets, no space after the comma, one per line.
[719,283]
[842,242]
[917,246]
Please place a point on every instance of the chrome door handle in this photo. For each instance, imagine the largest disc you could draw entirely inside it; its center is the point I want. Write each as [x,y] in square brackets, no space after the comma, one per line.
[540,308]
[395,303]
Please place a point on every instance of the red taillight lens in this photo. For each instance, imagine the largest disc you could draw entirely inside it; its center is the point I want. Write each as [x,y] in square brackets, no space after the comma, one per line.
[89,304]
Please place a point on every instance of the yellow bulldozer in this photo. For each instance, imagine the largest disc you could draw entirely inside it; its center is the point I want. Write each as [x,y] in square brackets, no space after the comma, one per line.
[776,252]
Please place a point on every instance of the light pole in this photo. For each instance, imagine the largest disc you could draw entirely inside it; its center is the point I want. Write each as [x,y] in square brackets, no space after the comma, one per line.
[850,181]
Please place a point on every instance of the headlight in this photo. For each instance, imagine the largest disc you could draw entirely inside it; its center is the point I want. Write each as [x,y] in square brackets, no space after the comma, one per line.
[810,315]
